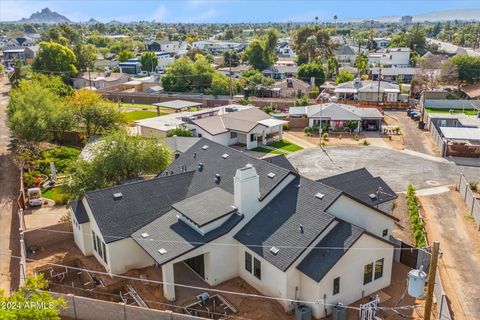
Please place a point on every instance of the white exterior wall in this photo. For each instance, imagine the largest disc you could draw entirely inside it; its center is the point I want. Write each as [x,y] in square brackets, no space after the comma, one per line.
[150,132]
[350,270]
[397,58]
[126,254]
[361,215]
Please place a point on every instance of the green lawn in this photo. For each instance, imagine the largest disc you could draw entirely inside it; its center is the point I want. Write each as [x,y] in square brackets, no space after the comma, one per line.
[139,115]
[285,145]
[447,111]
[56,194]
[265,150]
[139,106]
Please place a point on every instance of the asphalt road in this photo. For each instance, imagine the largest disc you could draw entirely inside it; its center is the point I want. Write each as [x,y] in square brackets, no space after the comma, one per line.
[397,168]
[9,237]
[451,48]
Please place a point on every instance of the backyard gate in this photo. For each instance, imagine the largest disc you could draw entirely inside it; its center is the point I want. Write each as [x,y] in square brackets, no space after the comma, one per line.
[408,255]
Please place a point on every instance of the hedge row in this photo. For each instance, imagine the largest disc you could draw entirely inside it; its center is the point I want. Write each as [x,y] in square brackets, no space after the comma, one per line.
[415,221]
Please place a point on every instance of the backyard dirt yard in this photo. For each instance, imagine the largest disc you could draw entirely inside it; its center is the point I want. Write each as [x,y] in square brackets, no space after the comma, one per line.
[448,222]
[402,229]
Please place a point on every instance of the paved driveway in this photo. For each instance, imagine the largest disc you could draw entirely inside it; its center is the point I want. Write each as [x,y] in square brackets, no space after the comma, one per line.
[397,168]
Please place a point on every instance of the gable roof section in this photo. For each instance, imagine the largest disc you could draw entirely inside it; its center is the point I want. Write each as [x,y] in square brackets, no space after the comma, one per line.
[242,121]
[323,258]
[279,222]
[359,184]
[214,162]
[141,203]
[79,211]
[281,161]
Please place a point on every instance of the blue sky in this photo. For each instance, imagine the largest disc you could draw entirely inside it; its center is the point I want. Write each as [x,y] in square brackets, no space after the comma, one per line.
[226,10]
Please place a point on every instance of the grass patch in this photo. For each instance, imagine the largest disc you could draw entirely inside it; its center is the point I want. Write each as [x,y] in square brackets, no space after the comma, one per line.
[56,194]
[285,145]
[265,150]
[447,111]
[139,115]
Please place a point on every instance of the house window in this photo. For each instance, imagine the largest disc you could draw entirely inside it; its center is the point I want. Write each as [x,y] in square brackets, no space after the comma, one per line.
[378,269]
[99,246]
[94,237]
[104,253]
[248,262]
[233,135]
[252,137]
[385,233]
[367,273]
[257,269]
[336,285]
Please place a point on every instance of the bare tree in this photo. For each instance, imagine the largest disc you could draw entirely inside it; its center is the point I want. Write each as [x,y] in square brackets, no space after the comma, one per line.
[429,71]
[449,73]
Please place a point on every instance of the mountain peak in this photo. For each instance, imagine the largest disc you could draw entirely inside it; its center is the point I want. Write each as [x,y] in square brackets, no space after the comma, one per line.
[46,16]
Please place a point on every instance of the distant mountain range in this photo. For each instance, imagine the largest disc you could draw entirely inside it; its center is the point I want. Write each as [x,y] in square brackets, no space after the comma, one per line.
[446,15]
[51,17]
[45,16]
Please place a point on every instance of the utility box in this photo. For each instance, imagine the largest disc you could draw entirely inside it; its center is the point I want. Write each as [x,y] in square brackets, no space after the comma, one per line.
[416,282]
[339,312]
[303,312]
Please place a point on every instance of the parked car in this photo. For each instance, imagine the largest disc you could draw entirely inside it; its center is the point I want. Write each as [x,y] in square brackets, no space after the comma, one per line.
[410,110]
[371,127]
[416,116]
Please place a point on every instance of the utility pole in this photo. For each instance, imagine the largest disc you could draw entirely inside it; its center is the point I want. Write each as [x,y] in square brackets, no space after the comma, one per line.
[431,280]
[89,78]
[230,73]
[379,79]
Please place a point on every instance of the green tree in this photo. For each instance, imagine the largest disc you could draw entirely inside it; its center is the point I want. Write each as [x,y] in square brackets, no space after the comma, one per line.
[255,55]
[55,58]
[86,56]
[332,66]
[124,55]
[118,157]
[32,292]
[179,132]
[361,63]
[220,85]
[149,61]
[179,75]
[308,70]
[255,81]
[29,111]
[231,58]
[94,114]
[310,42]
[344,76]
[54,84]
[17,74]
[468,68]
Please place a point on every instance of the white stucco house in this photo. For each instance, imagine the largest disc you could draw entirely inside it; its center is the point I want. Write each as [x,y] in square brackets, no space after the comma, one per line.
[250,127]
[390,57]
[227,215]
[368,90]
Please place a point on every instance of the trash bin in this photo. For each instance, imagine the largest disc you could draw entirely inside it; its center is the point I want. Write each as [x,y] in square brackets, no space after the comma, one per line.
[421,125]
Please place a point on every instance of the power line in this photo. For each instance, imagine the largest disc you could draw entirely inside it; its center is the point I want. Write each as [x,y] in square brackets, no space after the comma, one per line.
[251,295]
[226,244]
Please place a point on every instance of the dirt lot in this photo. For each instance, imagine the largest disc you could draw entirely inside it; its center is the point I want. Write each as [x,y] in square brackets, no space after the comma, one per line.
[447,221]
[402,229]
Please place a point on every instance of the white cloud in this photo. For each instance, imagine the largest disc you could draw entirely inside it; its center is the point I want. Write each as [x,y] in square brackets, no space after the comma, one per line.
[202,17]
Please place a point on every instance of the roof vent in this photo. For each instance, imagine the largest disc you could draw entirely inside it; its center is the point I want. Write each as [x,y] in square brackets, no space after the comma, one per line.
[298,186]
[217,178]
[205,147]
[274,250]
[200,166]
[271,175]
[117,196]
[248,165]
[300,228]
[319,196]
[145,235]
[225,156]
[162,251]
[372,196]
[194,155]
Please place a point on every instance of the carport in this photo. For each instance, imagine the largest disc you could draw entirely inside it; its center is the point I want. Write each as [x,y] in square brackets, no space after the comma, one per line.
[177,105]
[460,142]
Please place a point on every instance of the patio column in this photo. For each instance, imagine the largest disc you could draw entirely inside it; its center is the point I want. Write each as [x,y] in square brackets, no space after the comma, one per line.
[168,279]
[280,132]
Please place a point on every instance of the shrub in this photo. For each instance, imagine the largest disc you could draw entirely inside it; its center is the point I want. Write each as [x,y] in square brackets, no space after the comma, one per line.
[415,220]
[268,109]
[308,130]
[30,178]
[179,132]
[357,137]
[365,142]
[325,136]
[245,101]
[286,126]
[473,185]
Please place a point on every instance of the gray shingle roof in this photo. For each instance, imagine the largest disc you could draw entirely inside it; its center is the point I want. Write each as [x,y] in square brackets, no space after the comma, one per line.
[279,222]
[141,203]
[214,162]
[176,237]
[360,184]
[281,161]
[181,144]
[207,206]
[79,211]
[320,260]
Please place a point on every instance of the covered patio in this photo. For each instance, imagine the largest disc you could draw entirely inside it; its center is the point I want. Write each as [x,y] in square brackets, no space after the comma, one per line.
[178,105]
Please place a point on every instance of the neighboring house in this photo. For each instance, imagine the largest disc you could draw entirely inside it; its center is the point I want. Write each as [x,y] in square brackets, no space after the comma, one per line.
[367,90]
[472,91]
[280,72]
[164,60]
[285,50]
[23,54]
[382,42]
[395,74]
[236,71]
[218,46]
[352,70]
[292,87]
[251,127]
[130,67]
[347,54]
[227,214]
[166,46]
[390,57]
[339,116]
[106,65]
[99,80]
